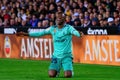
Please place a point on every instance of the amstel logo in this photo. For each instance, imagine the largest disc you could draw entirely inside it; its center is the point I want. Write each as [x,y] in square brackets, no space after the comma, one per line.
[7,47]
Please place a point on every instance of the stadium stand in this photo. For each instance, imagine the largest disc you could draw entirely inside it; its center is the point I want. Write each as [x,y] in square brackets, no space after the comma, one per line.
[81,13]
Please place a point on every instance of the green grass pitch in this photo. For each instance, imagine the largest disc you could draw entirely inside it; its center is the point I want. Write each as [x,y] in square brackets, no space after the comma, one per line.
[16,69]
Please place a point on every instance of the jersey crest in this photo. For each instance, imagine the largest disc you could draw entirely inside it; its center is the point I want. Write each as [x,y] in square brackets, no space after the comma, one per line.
[55,30]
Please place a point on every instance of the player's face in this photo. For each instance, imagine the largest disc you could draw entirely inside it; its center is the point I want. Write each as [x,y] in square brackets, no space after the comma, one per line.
[60,19]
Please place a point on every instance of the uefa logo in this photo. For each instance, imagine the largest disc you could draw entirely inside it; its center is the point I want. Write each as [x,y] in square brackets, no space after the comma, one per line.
[7,47]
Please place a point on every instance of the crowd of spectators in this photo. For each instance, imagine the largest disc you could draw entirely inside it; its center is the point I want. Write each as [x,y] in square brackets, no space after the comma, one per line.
[41,13]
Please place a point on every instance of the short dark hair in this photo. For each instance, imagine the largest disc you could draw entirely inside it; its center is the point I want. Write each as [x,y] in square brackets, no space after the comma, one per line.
[60,13]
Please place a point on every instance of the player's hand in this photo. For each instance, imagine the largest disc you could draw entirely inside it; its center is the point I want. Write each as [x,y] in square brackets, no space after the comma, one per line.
[81,34]
[22,34]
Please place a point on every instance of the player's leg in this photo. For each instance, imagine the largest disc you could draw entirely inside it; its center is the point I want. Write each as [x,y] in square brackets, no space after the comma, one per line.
[54,67]
[68,73]
[52,73]
[68,67]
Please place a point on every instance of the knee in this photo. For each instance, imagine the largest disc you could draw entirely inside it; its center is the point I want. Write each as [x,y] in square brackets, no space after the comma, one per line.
[52,74]
[68,74]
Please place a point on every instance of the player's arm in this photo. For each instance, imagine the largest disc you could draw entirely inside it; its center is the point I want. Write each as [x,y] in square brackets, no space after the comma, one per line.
[42,33]
[74,32]
[35,34]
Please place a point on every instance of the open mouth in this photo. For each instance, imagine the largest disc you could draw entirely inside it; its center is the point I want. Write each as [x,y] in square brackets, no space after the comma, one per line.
[59,19]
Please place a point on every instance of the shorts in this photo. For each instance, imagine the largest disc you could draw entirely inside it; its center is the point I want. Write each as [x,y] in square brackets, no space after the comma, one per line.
[58,63]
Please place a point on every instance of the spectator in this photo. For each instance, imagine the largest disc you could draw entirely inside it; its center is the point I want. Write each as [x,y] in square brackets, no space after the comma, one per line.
[41,17]
[58,2]
[75,16]
[34,21]
[86,3]
[82,22]
[24,24]
[118,6]
[6,15]
[95,22]
[87,22]
[100,17]
[117,22]
[60,9]
[45,23]
[28,22]
[30,9]
[52,8]
[105,23]
[52,17]
[82,7]
[23,14]
[39,24]
[91,16]
[42,9]
[86,14]
[51,23]
[6,23]
[76,22]
[81,15]
[35,9]
[16,22]
[13,15]
[111,22]
[116,14]
[12,22]
[68,20]
[107,14]
[68,11]
[101,23]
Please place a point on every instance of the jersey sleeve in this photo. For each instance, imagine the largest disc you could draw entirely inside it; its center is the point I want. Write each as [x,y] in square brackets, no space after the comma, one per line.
[42,33]
[73,31]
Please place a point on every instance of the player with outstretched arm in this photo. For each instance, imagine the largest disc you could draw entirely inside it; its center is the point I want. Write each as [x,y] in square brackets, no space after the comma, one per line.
[62,43]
